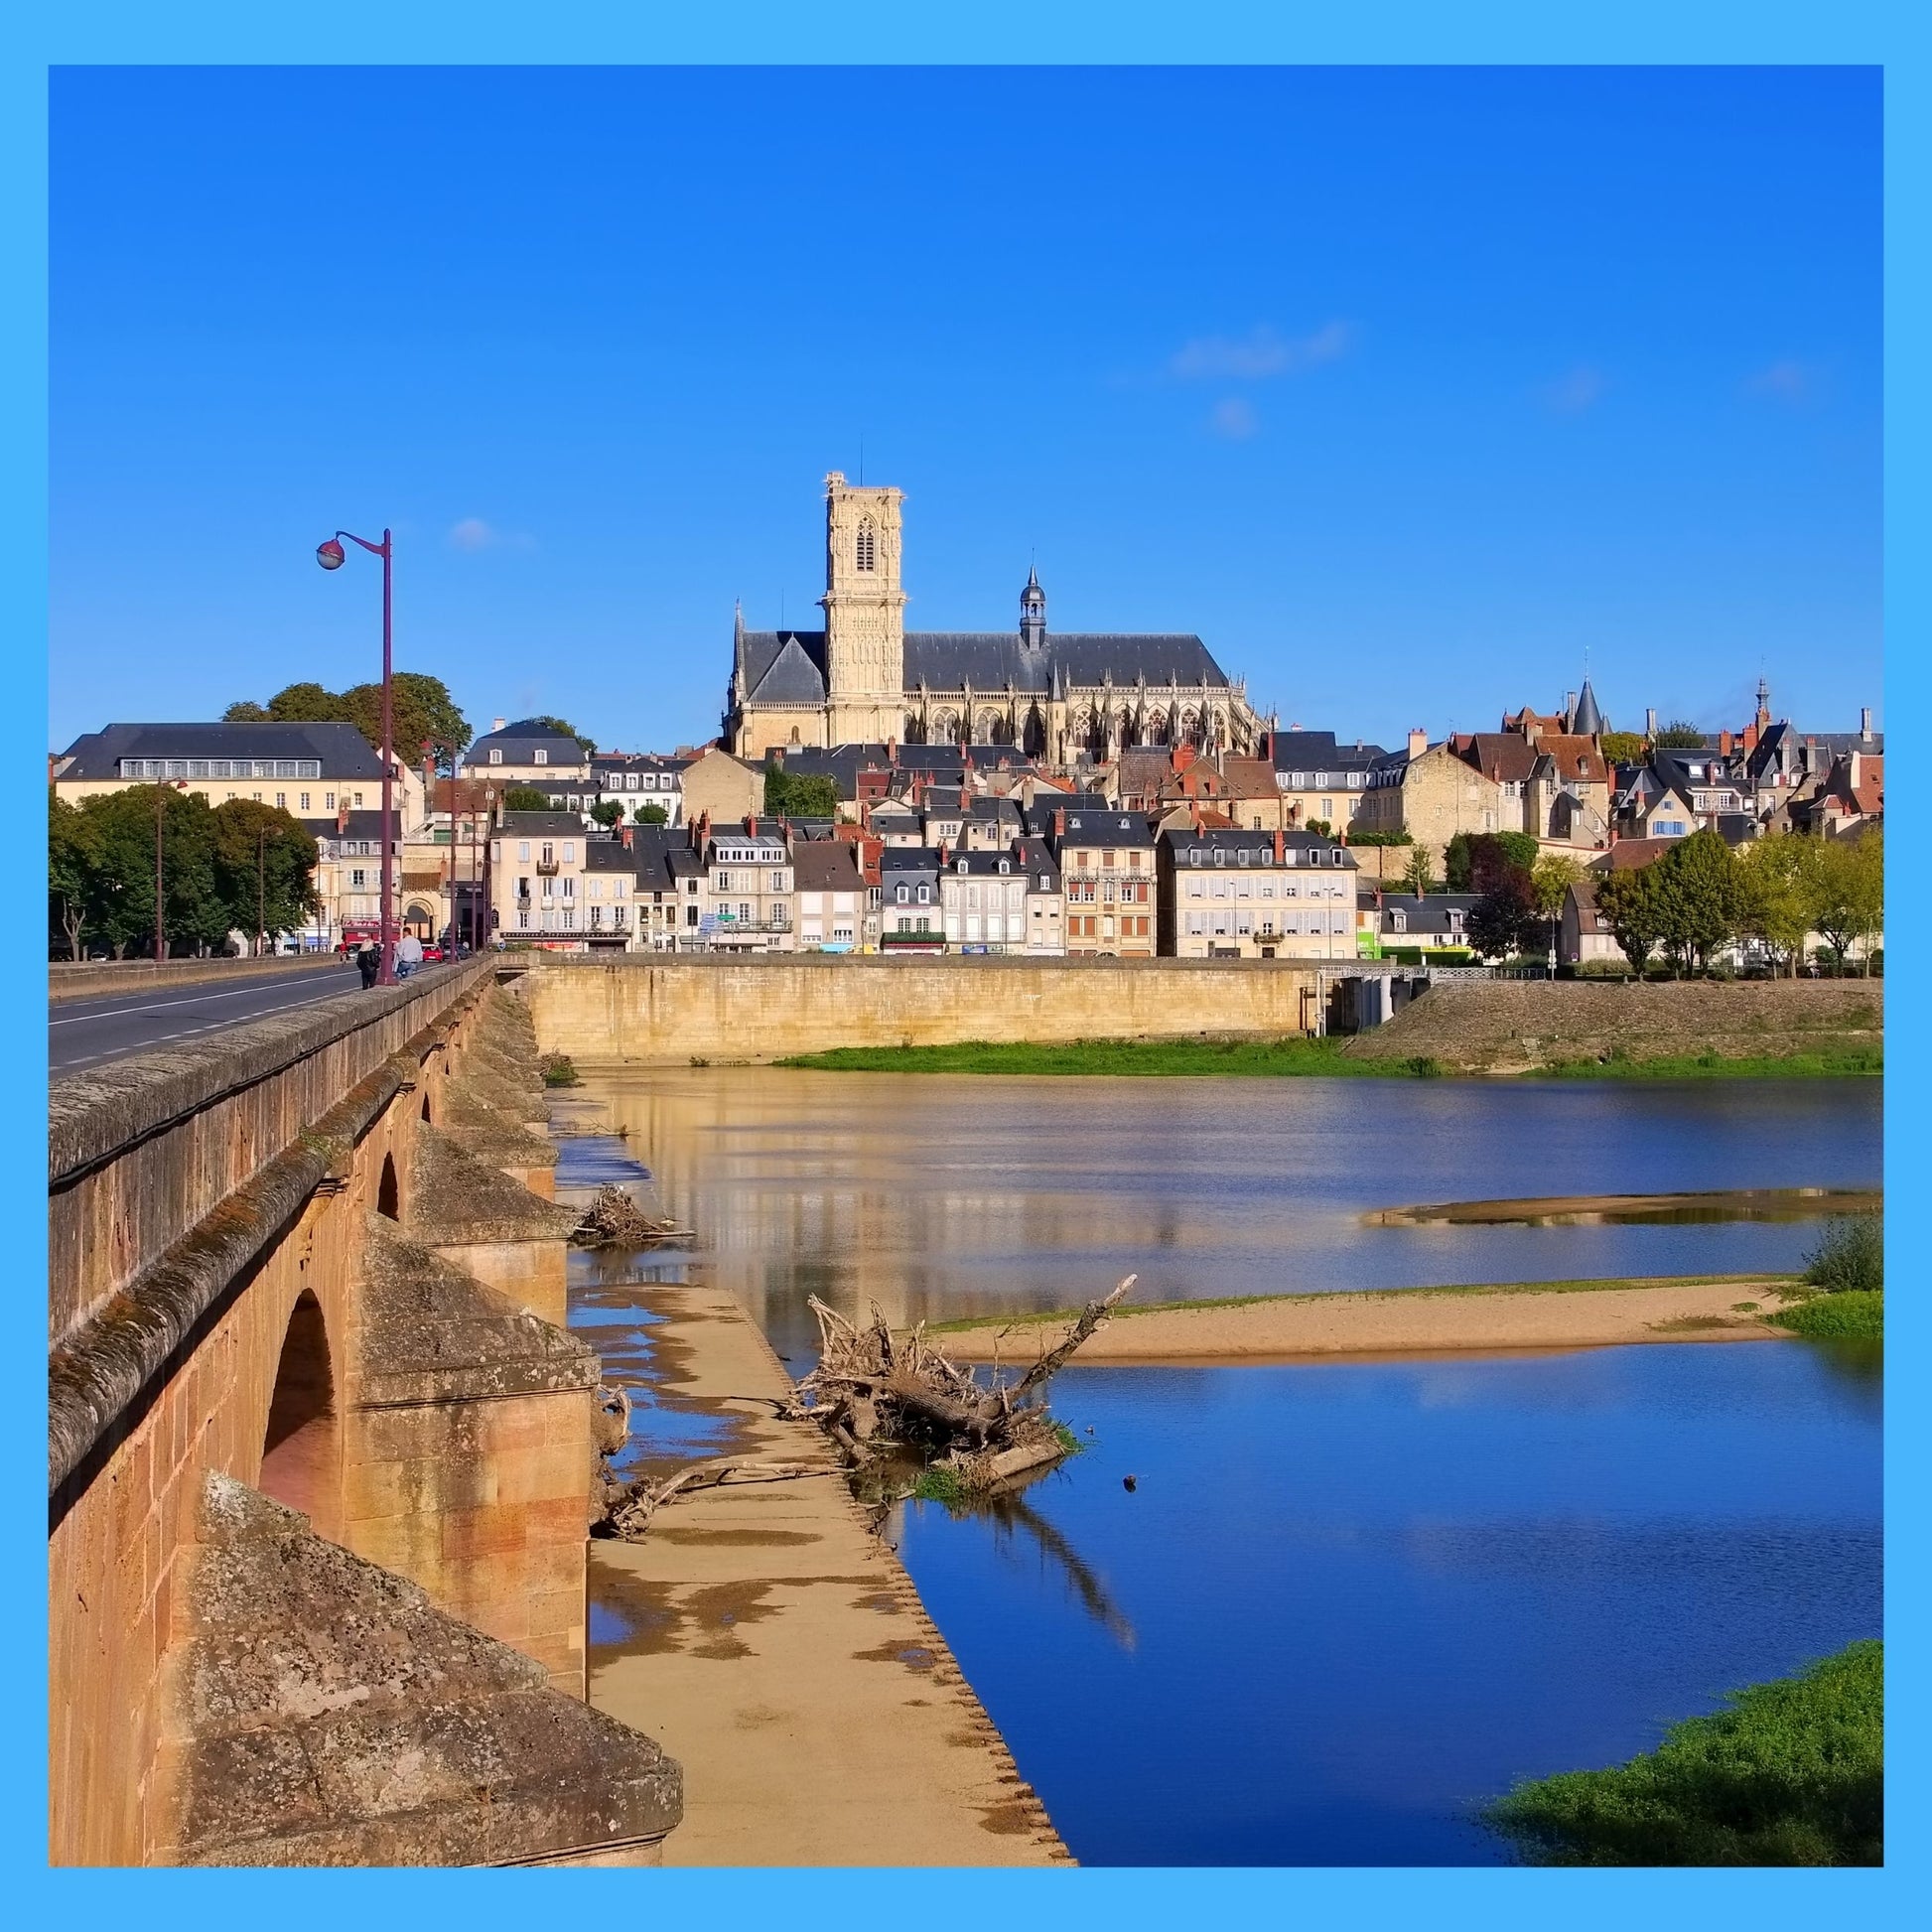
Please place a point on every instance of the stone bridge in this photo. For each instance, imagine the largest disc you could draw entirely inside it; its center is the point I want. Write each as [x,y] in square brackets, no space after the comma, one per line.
[320,1455]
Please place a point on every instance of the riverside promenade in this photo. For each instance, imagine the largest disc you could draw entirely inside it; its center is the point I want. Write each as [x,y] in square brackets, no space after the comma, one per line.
[776,1646]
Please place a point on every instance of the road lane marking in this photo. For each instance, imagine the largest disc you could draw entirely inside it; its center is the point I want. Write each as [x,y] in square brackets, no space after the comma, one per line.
[158,1005]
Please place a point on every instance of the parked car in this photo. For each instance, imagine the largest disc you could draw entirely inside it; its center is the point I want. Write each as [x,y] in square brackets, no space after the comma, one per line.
[433,953]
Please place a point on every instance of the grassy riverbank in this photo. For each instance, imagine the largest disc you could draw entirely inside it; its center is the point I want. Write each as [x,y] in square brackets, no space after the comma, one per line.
[1297,1054]
[1791,1773]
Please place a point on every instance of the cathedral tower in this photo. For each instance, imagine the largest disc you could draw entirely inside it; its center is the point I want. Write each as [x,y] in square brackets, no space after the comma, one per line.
[865,608]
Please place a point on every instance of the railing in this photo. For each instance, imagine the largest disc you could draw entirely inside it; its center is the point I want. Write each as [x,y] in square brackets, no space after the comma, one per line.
[546,867]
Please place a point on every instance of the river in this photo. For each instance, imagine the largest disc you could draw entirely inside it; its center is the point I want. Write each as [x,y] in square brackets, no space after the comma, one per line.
[1345,1602]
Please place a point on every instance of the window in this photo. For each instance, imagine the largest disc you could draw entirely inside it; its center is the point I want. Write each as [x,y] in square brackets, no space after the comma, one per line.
[304,796]
[595,890]
[523,850]
[328,800]
[522,919]
[904,897]
[865,554]
[570,852]
[355,802]
[496,755]
[540,756]
[358,878]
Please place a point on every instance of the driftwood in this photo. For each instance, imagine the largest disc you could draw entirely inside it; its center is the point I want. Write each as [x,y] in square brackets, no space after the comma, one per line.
[876,1396]
[614,1220]
[874,1393]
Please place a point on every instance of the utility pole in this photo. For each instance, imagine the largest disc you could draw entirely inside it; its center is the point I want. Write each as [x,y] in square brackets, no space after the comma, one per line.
[160,918]
[261,885]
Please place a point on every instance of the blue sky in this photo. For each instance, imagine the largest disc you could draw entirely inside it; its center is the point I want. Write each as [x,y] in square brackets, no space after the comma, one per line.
[1404,389]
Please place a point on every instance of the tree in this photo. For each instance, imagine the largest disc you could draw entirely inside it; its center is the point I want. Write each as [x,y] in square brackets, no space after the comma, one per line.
[421,712]
[120,891]
[1550,879]
[1621,748]
[1680,735]
[525,798]
[1477,862]
[790,796]
[651,816]
[1415,874]
[264,867]
[1504,919]
[1629,905]
[73,860]
[1702,899]
[1846,878]
[1776,893]
[609,813]
[1320,827]
[564,730]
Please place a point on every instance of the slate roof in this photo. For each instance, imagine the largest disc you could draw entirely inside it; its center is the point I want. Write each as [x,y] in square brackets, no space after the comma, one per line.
[519,740]
[541,825]
[1299,848]
[788,666]
[1435,912]
[1313,751]
[1107,826]
[341,749]
[825,866]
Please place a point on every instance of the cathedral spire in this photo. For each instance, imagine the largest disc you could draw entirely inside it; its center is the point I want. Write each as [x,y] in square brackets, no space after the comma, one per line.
[1032,614]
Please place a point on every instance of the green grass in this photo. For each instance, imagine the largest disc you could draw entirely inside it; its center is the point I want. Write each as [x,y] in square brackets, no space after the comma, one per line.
[1852,1314]
[1788,1773]
[1833,1062]
[1291,1055]
[1127,1309]
[559,1070]
[939,1482]
[1294,1054]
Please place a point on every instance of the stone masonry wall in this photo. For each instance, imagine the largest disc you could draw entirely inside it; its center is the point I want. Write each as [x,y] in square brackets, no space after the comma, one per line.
[674,1010]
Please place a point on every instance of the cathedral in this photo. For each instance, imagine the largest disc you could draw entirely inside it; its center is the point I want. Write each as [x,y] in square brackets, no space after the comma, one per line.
[1056,696]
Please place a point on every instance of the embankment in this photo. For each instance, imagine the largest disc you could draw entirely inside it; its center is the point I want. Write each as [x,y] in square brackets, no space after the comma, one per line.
[1411,1320]
[1531,1026]
[778,1649]
[644,1007]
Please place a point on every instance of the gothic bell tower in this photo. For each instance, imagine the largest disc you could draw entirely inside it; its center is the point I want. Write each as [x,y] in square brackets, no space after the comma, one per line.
[865,609]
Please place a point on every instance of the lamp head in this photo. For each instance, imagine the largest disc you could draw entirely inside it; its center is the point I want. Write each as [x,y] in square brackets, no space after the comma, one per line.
[329,555]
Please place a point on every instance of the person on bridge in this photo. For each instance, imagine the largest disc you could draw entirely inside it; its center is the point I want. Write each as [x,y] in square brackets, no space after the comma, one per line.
[409,955]
[369,961]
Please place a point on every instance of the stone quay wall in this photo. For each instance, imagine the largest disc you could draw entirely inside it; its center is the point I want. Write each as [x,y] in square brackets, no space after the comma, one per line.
[288,1306]
[642,1007]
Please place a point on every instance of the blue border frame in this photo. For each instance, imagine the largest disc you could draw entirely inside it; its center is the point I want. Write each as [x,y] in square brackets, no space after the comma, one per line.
[1002,32]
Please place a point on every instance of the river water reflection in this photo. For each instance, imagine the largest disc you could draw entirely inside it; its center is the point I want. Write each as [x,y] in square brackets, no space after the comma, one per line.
[1346,1602]
[941,1196]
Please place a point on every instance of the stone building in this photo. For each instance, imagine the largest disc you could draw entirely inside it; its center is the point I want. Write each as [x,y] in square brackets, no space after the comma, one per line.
[537,862]
[865,678]
[1106,861]
[1241,895]
[1432,792]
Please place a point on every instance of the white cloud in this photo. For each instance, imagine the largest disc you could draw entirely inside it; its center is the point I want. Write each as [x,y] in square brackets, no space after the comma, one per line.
[473,534]
[1571,394]
[1788,380]
[1235,419]
[1262,353]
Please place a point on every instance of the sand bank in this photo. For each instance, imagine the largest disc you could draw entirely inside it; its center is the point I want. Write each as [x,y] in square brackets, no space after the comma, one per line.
[777,1649]
[1399,1322]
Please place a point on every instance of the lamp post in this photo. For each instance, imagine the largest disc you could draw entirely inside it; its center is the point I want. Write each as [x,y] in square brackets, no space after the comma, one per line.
[488,826]
[262,882]
[331,555]
[161,787]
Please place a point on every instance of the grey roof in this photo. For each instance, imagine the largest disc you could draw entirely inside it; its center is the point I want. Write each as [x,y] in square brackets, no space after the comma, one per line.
[639,761]
[541,825]
[517,741]
[359,825]
[792,675]
[343,750]
[908,857]
[988,660]
[983,864]
[1105,827]
[1184,840]
[826,866]
[1430,914]
[1587,718]
[610,855]
[1318,752]
[1038,858]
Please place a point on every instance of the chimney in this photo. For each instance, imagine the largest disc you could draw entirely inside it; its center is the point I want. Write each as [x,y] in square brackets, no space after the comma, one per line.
[497,723]
[1417,741]
[1864,722]
[1650,722]
[342,817]
[752,825]
[1723,743]
[629,837]
[1281,846]
[1569,708]
[1059,825]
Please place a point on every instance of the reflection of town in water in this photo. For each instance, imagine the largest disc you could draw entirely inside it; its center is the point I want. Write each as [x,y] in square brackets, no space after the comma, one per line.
[937,1196]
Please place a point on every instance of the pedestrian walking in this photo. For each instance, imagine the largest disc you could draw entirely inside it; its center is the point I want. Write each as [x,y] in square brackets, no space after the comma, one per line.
[409,955]
[368,962]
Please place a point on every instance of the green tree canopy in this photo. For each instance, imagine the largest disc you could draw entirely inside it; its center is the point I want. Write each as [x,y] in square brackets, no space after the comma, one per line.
[1504,919]
[265,867]
[1621,748]
[566,730]
[1477,862]
[1776,878]
[790,796]
[525,798]
[651,816]
[1680,735]
[1702,899]
[1415,873]
[1629,904]
[609,813]
[1846,887]
[422,711]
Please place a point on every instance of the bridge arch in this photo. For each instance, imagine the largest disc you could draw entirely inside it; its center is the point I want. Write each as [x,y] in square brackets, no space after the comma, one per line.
[301,1447]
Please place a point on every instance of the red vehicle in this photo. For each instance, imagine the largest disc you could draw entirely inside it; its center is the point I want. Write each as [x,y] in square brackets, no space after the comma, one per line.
[433,954]
[355,937]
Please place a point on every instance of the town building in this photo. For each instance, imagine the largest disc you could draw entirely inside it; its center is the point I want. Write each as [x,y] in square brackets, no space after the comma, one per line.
[612,915]
[634,780]
[528,751]
[983,897]
[311,771]
[865,678]
[1320,778]
[831,895]
[1239,894]
[537,864]
[909,917]
[1046,900]
[748,887]
[1434,792]
[348,878]
[1107,869]
[719,787]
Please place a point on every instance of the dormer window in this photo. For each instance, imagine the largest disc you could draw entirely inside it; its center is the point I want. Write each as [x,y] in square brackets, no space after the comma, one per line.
[865,557]
[539,757]
[496,755]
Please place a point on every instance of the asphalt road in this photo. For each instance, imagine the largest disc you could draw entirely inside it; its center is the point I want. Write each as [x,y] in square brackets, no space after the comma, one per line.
[86,1032]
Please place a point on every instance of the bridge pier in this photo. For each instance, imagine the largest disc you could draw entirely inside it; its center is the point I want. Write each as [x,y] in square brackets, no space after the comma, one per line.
[296,1322]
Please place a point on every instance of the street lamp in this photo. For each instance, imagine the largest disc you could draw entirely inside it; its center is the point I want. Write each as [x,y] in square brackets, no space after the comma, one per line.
[331,555]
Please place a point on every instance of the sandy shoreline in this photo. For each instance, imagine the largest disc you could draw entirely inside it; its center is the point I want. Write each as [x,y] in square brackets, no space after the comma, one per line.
[1399,1322]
